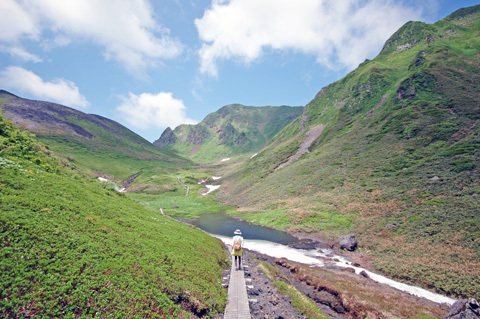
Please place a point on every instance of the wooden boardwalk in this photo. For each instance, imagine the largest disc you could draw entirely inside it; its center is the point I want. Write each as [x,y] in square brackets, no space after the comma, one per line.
[237,302]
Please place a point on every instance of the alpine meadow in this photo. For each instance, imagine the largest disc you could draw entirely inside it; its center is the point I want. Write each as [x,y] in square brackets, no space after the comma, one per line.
[390,153]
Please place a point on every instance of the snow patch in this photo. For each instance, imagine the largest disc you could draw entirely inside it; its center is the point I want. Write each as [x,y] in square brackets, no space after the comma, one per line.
[211,188]
[216,177]
[225,159]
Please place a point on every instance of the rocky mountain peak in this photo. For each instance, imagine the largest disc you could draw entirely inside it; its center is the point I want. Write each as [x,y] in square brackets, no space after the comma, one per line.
[167,138]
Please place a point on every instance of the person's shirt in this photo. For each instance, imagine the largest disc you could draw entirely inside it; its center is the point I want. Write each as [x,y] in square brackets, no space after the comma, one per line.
[238,238]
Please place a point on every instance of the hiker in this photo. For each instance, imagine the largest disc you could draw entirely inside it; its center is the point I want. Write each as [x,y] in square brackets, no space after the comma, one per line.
[237,249]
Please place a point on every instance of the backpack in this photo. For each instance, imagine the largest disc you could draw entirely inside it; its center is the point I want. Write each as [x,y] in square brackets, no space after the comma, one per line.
[237,246]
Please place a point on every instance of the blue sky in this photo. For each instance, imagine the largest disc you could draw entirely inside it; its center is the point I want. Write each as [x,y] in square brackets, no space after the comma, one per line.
[158,63]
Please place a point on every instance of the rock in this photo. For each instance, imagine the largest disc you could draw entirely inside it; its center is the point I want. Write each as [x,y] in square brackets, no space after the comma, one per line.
[305,245]
[435,178]
[274,302]
[464,309]
[329,298]
[348,242]
[175,206]
[167,138]
[457,307]
[473,304]
[364,274]
[390,226]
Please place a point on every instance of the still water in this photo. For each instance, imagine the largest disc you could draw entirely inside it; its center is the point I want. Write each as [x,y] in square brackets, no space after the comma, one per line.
[224,225]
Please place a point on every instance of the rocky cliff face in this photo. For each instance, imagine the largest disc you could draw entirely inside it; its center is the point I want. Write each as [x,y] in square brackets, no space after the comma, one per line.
[167,138]
[198,134]
[230,136]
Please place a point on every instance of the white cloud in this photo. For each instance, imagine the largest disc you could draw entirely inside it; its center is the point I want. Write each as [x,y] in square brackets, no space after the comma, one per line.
[16,22]
[19,52]
[125,29]
[58,90]
[340,34]
[158,110]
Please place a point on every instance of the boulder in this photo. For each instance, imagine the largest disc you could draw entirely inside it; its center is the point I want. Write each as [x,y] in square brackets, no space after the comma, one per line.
[464,309]
[348,242]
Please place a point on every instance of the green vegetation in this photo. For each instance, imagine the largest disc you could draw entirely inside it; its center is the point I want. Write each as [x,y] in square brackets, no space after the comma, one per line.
[179,205]
[71,247]
[117,159]
[233,130]
[94,144]
[401,126]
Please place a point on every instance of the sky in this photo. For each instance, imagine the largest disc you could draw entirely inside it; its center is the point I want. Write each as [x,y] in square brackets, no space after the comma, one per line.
[155,64]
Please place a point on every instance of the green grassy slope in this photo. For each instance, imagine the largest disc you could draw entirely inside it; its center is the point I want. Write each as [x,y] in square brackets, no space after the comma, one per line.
[70,247]
[232,130]
[401,147]
[96,145]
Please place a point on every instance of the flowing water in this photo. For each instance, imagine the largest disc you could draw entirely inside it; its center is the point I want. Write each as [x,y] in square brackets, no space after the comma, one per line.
[274,243]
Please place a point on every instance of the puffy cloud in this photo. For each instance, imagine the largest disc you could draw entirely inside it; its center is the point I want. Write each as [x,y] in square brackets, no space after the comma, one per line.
[338,33]
[158,110]
[58,90]
[125,29]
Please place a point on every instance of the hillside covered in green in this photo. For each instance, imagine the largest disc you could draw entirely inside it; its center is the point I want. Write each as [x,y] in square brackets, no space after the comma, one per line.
[96,145]
[71,247]
[390,152]
[231,131]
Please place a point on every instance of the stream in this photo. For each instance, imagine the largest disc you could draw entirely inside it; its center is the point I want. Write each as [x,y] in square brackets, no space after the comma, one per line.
[275,243]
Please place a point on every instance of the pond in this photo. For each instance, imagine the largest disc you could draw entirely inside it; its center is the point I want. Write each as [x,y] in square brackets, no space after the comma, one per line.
[224,225]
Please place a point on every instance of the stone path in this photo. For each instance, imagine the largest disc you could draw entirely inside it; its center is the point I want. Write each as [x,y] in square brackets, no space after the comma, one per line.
[237,302]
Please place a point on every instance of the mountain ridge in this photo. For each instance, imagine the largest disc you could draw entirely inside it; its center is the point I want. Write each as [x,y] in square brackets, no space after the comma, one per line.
[97,145]
[232,130]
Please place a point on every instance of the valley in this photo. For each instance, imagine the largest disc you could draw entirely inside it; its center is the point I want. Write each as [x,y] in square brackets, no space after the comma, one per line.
[389,153]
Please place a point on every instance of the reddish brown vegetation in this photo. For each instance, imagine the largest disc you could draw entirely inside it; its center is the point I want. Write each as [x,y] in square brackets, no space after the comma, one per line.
[356,296]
